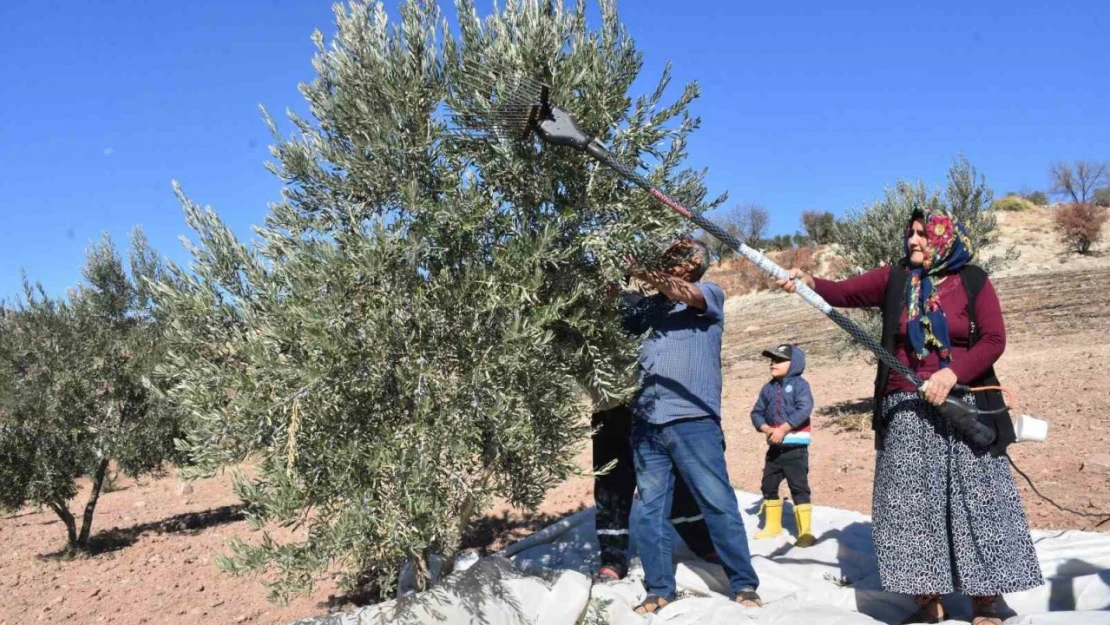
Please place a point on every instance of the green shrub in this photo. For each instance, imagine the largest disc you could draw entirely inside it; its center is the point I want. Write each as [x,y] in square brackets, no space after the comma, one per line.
[1038,198]
[1013,203]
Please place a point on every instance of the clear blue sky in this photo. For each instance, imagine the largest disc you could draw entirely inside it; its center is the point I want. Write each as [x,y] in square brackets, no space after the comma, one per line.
[805,104]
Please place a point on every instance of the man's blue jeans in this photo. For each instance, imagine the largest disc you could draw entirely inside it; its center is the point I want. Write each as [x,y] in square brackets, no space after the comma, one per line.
[695,449]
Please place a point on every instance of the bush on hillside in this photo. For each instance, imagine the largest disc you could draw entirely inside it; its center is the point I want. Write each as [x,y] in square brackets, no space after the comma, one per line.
[1102,197]
[1080,225]
[776,243]
[1038,198]
[1013,204]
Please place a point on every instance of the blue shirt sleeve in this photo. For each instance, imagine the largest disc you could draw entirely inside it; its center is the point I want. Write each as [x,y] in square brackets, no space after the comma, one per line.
[803,403]
[758,417]
[714,301]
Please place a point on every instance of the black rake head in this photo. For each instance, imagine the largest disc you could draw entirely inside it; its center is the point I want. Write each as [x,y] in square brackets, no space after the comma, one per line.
[510,106]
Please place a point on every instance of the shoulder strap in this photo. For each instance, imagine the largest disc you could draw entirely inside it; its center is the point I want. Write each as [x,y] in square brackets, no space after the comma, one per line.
[973,278]
[893,297]
[896,287]
[891,311]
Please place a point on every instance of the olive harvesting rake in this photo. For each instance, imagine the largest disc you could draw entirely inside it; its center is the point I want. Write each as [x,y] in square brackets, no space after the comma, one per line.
[517,107]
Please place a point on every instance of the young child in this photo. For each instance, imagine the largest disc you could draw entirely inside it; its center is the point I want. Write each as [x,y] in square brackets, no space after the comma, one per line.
[782,414]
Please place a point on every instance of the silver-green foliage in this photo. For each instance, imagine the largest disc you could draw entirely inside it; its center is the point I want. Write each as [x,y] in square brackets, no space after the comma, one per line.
[74,387]
[406,338]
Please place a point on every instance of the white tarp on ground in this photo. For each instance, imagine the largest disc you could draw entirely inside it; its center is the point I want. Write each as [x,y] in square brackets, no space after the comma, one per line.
[835,582]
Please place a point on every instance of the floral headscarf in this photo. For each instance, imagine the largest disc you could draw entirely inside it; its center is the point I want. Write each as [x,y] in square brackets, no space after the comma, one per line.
[947,250]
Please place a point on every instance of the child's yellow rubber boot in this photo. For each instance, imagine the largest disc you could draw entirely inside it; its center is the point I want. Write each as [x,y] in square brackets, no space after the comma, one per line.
[772,520]
[803,517]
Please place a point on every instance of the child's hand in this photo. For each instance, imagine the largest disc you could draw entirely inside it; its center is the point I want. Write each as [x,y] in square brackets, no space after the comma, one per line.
[777,435]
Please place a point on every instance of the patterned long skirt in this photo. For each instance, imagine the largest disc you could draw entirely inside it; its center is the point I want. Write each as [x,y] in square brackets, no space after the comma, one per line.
[946,518]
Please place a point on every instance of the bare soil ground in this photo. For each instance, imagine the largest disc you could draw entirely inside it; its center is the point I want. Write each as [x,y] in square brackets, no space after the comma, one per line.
[153,561]
[155,550]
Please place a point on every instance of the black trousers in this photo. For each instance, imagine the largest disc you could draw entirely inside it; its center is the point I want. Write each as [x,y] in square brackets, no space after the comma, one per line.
[612,440]
[791,463]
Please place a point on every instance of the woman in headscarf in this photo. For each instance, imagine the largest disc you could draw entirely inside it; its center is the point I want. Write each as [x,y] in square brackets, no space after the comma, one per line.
[947,516]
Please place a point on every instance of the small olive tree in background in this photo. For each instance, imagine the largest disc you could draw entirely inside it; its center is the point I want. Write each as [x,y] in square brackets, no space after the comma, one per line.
[820,226]
[407,337]
[74,388]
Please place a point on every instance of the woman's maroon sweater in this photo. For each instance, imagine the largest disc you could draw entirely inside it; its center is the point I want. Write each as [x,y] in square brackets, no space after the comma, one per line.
[866,291]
